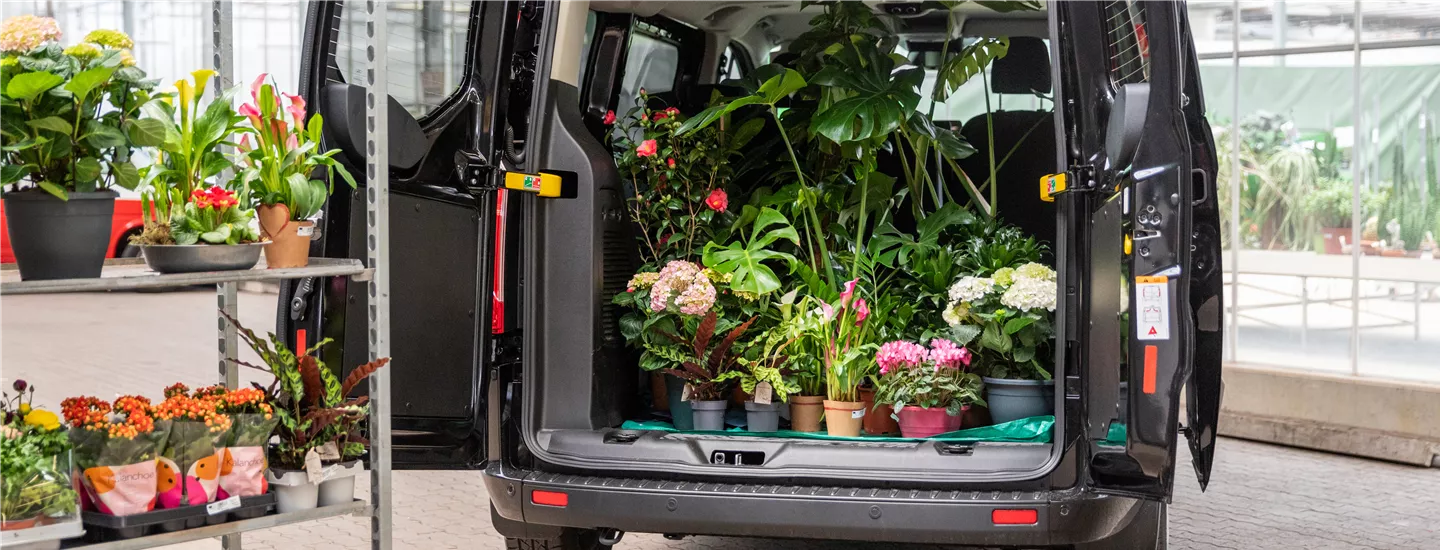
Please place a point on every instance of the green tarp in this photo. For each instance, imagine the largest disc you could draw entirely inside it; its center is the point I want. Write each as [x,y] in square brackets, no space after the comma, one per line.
[1035,429]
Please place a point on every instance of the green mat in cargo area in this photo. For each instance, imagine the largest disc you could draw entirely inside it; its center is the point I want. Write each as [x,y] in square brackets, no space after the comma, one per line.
[1035,429]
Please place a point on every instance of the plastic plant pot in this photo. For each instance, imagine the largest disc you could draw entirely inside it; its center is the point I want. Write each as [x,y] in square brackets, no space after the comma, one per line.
[1015,399]
[922,422]
[55,239]
[762,418]
[680,414]
[293,491]
[844,418]
[709,415]
[339,484]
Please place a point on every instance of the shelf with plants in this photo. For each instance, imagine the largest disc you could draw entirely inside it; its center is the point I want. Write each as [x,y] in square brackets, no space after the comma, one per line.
[222,186]
[804,272]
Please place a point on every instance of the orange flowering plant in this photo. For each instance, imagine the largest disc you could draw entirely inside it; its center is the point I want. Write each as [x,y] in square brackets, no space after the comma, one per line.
[106,434]
[213,216]
[189,464]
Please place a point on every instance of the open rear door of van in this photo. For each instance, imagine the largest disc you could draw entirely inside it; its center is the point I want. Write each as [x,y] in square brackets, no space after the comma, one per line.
[1141,175]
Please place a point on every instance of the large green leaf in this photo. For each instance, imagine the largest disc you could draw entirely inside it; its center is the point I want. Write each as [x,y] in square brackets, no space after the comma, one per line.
[767,218]
[56,190]
[879,100]
[102,136]
[970,62]
[86,81]
[772,91]
[28,86]
[87,170]
[146,132]
[964,334]
[125,175]
[11,173]
[994,338]
[53,124]
[952,145]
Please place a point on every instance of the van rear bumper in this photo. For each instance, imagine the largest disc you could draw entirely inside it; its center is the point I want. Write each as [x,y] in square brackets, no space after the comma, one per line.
[809,512]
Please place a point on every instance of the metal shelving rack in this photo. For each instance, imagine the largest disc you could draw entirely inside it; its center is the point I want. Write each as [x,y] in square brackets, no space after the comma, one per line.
[131,274]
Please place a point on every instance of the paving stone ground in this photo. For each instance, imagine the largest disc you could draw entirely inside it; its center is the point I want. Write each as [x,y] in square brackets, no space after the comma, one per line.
[1261,496]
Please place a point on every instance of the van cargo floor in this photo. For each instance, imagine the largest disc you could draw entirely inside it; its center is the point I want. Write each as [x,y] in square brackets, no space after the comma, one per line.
[1026,430]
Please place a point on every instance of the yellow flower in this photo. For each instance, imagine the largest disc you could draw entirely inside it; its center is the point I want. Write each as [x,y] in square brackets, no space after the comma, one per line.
[24,409]
[202,77]
[126,60]
[110,39]
[83,52]
[43,418]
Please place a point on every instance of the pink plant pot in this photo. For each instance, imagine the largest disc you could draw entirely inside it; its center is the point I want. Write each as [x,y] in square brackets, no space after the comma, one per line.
[917,422]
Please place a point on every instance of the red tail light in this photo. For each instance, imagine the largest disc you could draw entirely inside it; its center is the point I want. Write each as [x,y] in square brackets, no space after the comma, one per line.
[551,498]
[1014,517]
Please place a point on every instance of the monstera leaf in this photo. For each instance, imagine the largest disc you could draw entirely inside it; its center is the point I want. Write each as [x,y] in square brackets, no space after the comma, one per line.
[769,93]
[745,259]
[879,98]
[972,61]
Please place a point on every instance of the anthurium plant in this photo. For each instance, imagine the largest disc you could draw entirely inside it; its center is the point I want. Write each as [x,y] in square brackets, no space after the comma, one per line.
[34,460]
[212,216]
[190,153]
[282,165]
[70,117]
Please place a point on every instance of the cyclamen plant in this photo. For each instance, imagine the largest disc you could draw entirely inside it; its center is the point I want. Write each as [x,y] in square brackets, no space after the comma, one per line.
[912,375]
[1009,316]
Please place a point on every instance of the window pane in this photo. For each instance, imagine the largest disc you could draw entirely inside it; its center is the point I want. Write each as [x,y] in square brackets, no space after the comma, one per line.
[425,51]
[650,64]
[1267,24]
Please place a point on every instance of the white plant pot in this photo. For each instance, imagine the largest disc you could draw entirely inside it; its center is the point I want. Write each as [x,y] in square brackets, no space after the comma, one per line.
[293,490]
[339,484]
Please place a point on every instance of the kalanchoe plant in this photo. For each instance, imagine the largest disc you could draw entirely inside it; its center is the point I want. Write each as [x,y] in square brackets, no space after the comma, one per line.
[69,117]
[911,375]
[1009,318]
[281,166]
[313,405]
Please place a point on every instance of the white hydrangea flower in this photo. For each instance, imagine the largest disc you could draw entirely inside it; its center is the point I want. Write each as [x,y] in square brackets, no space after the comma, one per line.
[970,289]
[1004,276]
[1030,293]
[953,313]
[1035,271]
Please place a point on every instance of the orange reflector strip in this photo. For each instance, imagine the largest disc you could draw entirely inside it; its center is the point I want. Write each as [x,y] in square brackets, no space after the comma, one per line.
[1151,353]
[1014,517]
[550,498]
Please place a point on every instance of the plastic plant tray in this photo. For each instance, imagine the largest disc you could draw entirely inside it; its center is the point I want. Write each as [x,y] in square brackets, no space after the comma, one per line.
[104,527]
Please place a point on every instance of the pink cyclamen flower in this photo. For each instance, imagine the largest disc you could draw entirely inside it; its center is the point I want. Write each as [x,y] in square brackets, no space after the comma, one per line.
[862,310]
[900,354]
[848,293]
[647,148]
[946,354]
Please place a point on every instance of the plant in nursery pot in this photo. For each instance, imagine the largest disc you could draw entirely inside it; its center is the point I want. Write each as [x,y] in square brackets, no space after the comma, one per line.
[320,441]
[766,380]
[929,389]
[69,119]
[841,336]
[189,227]
[189,463]
[1008,317]
[115,451]
[35,481]
[707,368]
[280,172]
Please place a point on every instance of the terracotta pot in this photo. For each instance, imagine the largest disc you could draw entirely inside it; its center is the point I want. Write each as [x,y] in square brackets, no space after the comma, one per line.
[18,524]
[289,240]
[1335,239]
[657,392]
[923,422]
[805,411]
[844,418]
[877,418]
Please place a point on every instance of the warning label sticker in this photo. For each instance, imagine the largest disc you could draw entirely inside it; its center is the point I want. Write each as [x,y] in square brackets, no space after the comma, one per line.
[1153,305]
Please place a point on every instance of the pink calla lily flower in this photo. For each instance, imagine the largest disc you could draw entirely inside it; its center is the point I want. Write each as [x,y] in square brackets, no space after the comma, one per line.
[862,310]
[296,109]
[249,111]
[848,293]
[255,87]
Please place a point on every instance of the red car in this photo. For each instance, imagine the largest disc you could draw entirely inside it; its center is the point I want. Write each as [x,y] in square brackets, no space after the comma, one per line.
[123,224]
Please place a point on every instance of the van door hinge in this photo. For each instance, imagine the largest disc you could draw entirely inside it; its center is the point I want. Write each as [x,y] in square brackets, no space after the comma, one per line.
[1077,178]
[475,172]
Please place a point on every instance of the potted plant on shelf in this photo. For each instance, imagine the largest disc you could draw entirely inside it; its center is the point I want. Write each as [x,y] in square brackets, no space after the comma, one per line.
[115,451]
[35,482]
[765,380]
[1330,206]
[280,172]
[929,389]
[1008,316]
[70,118]
[319,429]
[189,227]
[189,463]
[242,460]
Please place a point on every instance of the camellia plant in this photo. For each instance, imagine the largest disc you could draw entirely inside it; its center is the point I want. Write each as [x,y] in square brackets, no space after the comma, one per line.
[281,165]
[1009,316]
[70,117]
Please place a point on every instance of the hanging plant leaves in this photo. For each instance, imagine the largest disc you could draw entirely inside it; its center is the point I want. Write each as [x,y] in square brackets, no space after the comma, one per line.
[972,61]
[882,97]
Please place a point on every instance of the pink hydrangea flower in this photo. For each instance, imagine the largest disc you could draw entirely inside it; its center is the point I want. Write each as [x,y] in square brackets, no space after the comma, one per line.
[945,354]
[686,283]
[900,354]
[23,33]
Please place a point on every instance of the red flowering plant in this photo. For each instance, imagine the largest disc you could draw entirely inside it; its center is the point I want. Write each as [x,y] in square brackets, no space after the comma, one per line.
[676,183]
[213,216]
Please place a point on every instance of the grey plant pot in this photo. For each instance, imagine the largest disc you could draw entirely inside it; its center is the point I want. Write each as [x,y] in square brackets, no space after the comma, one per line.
[55,239]
[762,418]
[339,484]
[191,258]
[1015,399]
[293,491]
[709,415]
[680,414]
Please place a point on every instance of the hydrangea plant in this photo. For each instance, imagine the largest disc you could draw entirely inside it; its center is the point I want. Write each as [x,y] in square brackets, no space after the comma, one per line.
[1008,316]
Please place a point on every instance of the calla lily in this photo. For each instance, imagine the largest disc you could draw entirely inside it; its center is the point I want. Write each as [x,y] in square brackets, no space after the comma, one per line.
[296,109]
[187,96]
[252,113]
[255,87]
[202,77]
[292,142]
[862,310]
[848,293]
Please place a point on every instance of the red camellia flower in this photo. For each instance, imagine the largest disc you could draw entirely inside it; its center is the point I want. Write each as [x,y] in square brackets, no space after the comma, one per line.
[644,117]
[660,116]
[717,200]
[672,111]
[670,162]
[646,148]
[609,118]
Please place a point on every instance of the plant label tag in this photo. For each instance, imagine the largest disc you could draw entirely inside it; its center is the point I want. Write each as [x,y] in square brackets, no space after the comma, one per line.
[685,395]
[305,231]
[314,471]
[857,413]
[762,393]
[329,451]
[223,505]
[1153,303]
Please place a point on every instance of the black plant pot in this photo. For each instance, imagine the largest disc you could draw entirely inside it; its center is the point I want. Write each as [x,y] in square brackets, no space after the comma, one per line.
[55,239]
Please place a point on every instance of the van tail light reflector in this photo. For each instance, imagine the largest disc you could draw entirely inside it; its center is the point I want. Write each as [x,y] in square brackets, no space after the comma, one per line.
[553,498]
[1014,517]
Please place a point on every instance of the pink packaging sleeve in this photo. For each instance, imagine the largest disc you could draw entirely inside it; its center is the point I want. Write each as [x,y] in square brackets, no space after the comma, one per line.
[122,490]
[242,472]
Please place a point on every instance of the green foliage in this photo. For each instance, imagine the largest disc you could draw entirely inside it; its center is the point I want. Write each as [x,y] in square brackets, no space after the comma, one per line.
[63,120]
[34,463]
[745,257]
[191,225]
[1008,318]
[281,166]
[928,387]
[189,140]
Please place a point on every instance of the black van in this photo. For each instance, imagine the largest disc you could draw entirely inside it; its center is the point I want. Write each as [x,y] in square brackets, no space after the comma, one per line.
[507,357]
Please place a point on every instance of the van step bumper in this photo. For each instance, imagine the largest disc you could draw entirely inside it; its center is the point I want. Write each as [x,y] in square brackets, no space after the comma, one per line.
[809,512]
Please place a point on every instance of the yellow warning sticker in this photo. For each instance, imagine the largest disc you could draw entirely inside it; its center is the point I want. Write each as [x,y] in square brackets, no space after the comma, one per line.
[546,185]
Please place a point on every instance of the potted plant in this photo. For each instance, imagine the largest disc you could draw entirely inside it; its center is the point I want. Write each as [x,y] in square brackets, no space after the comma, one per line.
[115,451]
[35,482]
[70,118]
[707,368]
[1008,316]
[840,337]
[1330,206]
[189,227]
[280,172]
[189,463]
[765,380]
[929,389]
[319,429]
